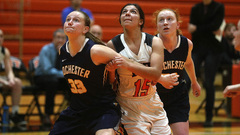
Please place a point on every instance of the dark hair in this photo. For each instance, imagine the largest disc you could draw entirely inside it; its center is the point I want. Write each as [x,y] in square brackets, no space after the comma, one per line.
[176,12]
[58,30]
[141,13]
[89,34]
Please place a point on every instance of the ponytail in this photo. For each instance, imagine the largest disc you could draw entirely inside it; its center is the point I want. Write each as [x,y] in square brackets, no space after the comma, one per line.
[93,38]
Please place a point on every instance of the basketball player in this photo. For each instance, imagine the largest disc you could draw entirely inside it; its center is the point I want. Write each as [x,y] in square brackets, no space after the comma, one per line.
[143,112]
[177,56]
[92,109]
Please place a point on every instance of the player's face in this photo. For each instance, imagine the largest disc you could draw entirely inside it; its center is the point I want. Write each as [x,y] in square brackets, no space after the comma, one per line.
[75,24]
[167,22]
[130,17]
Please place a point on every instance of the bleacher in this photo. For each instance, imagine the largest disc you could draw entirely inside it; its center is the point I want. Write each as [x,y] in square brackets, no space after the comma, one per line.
[33,21]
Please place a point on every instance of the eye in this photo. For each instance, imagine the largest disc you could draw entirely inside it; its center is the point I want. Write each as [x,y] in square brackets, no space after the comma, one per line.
[76,20]
[124,11]
[68,19]
[133,11]
[161,20]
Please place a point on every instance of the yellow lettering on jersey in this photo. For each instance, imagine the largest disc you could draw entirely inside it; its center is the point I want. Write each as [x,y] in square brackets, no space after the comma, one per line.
[87,72]
[176,65]
[173,64]
[82,72]
[77,86]
[72,69]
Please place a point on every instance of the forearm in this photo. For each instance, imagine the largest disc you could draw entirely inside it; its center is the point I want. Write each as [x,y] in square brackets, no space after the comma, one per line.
[191,72]
[236,87]
[150,73]
[2,81]
[10,76]
[111,76]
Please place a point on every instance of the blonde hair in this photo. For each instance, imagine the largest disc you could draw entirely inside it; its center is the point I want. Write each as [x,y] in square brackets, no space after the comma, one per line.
[177,15]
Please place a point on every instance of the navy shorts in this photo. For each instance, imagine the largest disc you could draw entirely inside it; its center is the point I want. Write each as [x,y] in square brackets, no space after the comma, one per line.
[71,122]
[176,104]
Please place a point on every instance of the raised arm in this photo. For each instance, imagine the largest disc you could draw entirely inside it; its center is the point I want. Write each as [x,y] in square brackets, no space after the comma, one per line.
[154,71]
[101,54]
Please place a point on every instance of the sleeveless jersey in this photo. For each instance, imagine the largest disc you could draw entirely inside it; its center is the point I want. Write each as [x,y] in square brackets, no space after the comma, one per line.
[87,81]
[174,62]
[129,84]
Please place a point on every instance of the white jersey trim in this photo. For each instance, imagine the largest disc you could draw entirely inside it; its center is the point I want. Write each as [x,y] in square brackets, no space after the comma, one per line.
[67,44]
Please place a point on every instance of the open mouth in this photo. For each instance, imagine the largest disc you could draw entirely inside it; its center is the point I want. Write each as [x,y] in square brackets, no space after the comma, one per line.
[127,20]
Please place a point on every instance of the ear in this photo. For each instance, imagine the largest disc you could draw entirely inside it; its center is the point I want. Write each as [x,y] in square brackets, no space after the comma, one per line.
[86,29]
[178,25]
[141,22]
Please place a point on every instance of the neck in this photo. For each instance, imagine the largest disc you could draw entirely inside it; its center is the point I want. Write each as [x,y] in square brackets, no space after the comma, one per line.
[169,42]
[132,35]
[75,44]
[207,2]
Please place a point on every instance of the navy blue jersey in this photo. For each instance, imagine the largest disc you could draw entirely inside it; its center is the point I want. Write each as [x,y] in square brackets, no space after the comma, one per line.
[174,62]
[87,81]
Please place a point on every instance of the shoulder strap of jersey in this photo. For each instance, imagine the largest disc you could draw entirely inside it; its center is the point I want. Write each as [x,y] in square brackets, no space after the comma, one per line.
[148,39]
[184,42]
[117,43]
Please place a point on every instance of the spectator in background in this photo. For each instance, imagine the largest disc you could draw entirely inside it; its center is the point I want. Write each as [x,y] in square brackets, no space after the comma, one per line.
[236,40]
[96,30]
[233,90]
[206,19]
[76,5]
[48,74]
[228,57]
[11,82]
[229,53]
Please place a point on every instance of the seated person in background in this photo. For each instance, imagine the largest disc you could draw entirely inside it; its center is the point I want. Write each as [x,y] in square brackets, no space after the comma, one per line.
[76,5]
[48,74]
[11,82]
[229,53]
[96,30]
[233,90]
[236,40]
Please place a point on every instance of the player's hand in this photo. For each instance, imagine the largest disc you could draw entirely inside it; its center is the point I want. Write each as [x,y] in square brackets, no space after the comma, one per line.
[169,80]
[111,66]
[231,91]
[196,89]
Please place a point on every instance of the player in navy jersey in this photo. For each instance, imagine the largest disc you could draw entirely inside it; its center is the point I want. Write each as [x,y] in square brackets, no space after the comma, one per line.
[177,56]
[92,109]
[143,112]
